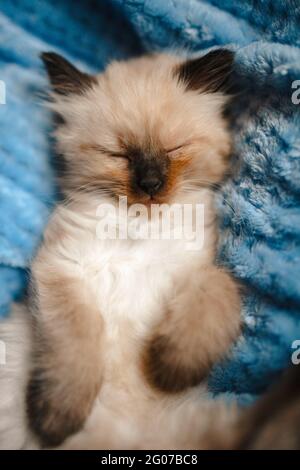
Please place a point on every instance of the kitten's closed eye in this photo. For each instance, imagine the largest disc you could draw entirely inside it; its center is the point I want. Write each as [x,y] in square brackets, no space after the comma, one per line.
[103,150]
[117,154]
[173,150]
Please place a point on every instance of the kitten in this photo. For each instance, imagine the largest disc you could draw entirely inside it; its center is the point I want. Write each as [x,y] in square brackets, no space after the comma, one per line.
[125,329]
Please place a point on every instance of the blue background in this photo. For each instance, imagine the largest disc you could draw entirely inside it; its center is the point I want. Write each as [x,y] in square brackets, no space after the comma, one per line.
[259,207]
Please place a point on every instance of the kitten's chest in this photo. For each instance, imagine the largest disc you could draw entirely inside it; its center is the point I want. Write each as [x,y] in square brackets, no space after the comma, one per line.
[133,280]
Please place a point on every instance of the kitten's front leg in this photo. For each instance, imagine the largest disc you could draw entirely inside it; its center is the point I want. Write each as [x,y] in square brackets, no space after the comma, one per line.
[67,356]
[200,324]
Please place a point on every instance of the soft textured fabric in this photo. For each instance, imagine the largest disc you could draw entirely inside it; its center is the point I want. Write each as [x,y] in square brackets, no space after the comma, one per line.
[259,206]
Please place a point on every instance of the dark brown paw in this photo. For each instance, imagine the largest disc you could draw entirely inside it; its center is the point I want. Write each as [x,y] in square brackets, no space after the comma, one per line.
[167,369]
[47,416]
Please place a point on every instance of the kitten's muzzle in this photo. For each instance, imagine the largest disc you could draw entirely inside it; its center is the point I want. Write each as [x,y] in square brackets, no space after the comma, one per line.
[149,172]
[150,184]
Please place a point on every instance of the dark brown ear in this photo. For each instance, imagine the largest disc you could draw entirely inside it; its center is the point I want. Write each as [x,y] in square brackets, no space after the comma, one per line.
[63,76]
[207,73]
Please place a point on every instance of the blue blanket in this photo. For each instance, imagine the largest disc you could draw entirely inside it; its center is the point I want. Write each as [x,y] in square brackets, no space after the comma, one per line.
[259,208]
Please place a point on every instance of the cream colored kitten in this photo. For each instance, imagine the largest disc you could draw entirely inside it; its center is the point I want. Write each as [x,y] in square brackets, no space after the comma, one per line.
[124,330]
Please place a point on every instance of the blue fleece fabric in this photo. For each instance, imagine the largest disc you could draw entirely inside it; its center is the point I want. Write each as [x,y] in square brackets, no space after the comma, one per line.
[259,207]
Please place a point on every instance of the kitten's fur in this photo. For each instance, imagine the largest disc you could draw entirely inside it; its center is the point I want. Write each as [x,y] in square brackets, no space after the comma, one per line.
[123,328]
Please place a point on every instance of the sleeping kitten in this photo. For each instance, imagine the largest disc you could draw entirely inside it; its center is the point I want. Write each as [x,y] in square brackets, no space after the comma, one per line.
[125,328]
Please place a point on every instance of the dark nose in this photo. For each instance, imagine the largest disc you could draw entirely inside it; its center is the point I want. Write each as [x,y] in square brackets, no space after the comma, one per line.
[150,184]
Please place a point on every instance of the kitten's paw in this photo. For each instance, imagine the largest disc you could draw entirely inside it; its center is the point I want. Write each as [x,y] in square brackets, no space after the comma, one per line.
[55,411]
[169,369]
[198,328]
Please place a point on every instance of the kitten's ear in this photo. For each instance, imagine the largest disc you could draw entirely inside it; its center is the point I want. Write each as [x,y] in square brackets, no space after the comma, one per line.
[63,76]
[207,73]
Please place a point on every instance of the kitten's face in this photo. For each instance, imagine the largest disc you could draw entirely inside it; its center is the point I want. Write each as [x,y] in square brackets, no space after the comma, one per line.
[150,129]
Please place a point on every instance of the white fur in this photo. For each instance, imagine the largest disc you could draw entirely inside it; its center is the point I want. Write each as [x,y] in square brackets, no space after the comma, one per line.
[15,332]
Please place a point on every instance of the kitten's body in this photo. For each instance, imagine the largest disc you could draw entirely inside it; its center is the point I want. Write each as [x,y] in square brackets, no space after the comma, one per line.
[133,281]
[120,325]
[137,279]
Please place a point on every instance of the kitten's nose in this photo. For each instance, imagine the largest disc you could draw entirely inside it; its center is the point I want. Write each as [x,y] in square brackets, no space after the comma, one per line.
[150,184]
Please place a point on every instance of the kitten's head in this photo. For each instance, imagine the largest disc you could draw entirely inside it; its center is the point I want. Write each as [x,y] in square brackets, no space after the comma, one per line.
[150,128]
